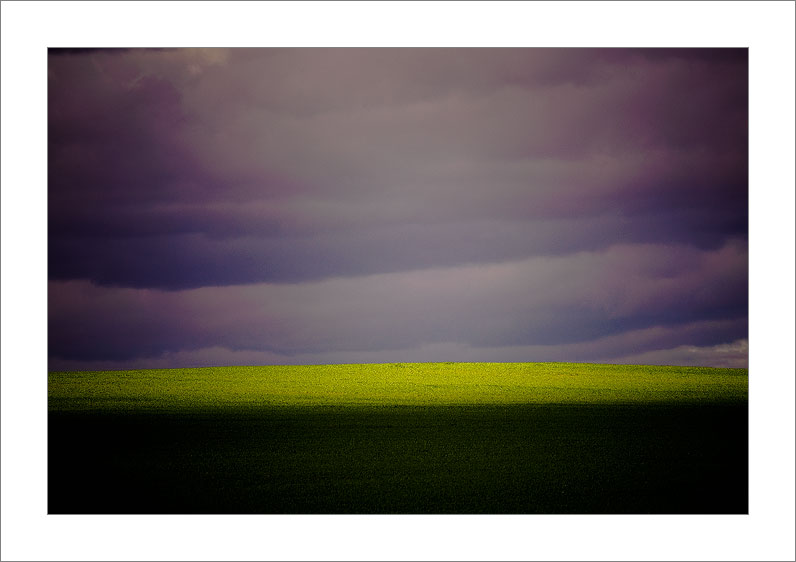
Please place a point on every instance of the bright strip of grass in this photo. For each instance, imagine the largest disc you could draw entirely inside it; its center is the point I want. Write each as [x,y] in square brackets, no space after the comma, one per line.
[394,384]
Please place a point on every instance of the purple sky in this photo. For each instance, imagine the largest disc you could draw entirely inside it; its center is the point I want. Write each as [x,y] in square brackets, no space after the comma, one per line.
[271,206]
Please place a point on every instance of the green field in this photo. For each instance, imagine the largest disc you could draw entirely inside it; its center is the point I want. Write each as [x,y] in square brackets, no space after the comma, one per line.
[400,438]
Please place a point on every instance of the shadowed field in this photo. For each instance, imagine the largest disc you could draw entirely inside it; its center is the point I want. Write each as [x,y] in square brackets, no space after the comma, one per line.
[415,438]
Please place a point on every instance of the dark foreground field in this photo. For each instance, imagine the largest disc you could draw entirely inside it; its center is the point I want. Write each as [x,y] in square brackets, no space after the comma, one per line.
[400,438]
[662,458]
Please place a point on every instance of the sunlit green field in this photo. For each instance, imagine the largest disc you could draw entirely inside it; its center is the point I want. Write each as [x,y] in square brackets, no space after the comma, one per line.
[400,438]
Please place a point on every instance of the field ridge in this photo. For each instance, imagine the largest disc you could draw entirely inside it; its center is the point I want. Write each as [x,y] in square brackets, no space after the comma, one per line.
[396,384]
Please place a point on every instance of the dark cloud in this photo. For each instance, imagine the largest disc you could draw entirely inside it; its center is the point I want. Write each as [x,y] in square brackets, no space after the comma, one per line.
[248,173]
[545,301]
[193,258]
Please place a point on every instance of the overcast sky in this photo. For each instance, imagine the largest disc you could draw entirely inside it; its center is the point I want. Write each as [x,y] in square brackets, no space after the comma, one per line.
[275,206]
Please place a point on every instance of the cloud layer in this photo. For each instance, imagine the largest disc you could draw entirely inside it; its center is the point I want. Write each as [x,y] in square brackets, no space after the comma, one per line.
[280,205]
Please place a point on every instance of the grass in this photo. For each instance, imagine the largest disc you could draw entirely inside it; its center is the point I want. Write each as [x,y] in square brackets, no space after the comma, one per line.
[400,438]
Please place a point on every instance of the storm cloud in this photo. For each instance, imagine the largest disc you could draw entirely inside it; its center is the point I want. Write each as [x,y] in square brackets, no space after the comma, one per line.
[213,206]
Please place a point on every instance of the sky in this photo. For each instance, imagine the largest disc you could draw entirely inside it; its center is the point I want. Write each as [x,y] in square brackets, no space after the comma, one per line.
[311,206]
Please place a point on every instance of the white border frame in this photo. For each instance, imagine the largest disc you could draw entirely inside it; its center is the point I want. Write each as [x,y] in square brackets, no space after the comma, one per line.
[28,28]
